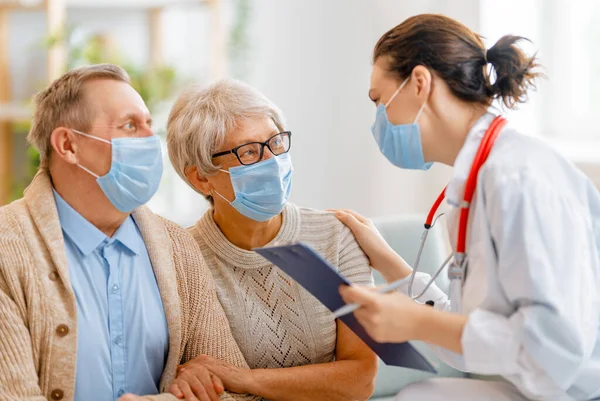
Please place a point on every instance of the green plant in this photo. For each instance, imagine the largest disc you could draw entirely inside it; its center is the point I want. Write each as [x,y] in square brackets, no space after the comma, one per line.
[154,84]
[239,40]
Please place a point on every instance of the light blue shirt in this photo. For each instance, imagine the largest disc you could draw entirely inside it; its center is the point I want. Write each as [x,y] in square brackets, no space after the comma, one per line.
[122,334]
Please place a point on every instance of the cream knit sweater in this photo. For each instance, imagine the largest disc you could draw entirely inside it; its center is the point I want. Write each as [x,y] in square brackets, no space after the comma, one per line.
[38,315]
[276,322]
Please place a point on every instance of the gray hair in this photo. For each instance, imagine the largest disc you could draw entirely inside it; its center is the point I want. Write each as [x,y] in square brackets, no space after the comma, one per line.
[201,119]
[62,103]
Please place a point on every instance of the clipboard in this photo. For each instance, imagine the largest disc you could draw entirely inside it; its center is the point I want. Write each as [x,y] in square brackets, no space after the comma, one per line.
[321,279]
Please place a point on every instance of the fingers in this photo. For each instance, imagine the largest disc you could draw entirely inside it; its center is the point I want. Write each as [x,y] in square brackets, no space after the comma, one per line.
[175,390]
[128,397]
[203,384]
[371,323]
[359,217]
[188,393]
[348,219]
[200,359]
[217,384]
[359,295]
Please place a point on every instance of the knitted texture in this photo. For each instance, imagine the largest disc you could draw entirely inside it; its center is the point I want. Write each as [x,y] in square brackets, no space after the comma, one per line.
[276,322]
[38,314]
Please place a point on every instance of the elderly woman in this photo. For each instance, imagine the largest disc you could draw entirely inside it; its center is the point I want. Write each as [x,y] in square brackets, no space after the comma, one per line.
[229,143]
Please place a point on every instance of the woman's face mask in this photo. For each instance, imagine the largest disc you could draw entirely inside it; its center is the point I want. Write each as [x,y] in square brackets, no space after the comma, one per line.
[400,144]
[261,189]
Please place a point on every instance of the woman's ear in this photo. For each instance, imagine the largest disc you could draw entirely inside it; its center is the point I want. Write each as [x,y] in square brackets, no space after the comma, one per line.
[199,181]
[423,80]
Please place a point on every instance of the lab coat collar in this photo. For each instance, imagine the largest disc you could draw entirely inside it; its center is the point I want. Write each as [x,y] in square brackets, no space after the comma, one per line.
[462,165]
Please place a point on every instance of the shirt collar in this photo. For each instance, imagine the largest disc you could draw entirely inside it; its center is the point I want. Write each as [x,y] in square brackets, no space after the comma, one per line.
[88,237]
[128,235]
[464,160]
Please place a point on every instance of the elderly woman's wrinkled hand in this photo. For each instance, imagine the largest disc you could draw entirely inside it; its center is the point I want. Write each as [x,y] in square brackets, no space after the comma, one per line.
[195,382]
[230,377]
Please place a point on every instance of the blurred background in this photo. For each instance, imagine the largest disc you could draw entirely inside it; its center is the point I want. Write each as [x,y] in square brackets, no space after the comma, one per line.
[313,59]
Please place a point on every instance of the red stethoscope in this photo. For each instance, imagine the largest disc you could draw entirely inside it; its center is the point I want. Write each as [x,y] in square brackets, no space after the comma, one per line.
[457,269]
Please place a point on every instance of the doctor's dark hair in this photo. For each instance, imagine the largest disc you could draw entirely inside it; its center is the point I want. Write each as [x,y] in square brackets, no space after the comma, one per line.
[458,56]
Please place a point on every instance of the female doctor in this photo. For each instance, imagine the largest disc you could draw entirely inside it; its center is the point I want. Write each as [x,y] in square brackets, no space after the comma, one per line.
[524,224]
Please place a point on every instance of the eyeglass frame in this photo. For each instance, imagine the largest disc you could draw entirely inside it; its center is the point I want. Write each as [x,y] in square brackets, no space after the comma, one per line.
[262,148]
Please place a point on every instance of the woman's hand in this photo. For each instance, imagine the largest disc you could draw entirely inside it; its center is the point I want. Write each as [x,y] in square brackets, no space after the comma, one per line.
[394,318]
[195,382]
[391,317]
[381,256]
[230,377]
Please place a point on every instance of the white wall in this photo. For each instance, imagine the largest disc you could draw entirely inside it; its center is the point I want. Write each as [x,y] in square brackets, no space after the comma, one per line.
[313,59]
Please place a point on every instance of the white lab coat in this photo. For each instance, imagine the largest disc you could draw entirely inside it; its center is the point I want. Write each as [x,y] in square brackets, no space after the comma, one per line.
[532,290]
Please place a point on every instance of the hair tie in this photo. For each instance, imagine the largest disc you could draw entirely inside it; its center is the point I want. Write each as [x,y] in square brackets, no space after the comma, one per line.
[492,74]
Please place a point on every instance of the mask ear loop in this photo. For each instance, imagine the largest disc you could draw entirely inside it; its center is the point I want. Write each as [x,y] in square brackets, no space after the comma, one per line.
[87,170]
[214,191]
[419,113]
[396,93]
[91,136]
[421,109]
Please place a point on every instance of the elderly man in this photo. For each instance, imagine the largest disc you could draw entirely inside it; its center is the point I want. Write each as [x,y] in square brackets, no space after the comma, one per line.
[98,296]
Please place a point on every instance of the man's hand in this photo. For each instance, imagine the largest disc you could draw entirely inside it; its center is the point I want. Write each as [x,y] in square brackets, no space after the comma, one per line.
[196,383]
[234,378]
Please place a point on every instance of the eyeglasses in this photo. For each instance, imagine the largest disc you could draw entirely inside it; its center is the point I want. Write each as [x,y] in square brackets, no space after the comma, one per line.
[252,152]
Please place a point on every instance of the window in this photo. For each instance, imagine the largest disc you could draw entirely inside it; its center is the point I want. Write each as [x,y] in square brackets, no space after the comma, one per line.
[566,35]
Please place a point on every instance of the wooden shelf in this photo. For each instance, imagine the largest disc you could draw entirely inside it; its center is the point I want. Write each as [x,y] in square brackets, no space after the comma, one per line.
[56,10]
[131,4]
[22,4]
[14,112]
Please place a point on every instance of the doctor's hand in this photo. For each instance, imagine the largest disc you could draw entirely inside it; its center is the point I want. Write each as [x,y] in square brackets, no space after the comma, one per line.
[391,317]
[381,256]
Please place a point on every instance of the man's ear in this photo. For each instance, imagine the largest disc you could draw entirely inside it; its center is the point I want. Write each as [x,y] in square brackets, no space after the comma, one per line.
[64,144]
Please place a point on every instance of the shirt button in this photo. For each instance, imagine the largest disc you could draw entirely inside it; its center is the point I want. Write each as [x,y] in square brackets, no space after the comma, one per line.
[121,392]
[57,394]
[62,331]
[117,340]
[53,276]
[115,288]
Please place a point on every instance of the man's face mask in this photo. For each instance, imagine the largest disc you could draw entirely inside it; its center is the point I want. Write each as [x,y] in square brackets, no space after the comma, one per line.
[135,171]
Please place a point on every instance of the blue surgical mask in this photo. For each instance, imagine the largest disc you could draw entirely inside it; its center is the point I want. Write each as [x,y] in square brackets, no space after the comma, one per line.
[135,171]
[400,144]
[261,189]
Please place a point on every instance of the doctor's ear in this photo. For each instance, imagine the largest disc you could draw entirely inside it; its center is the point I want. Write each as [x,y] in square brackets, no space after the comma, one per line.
[199,181]
[422,78]
[64,144]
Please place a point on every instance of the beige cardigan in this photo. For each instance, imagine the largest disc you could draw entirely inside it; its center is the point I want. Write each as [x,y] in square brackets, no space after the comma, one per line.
[38,315]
